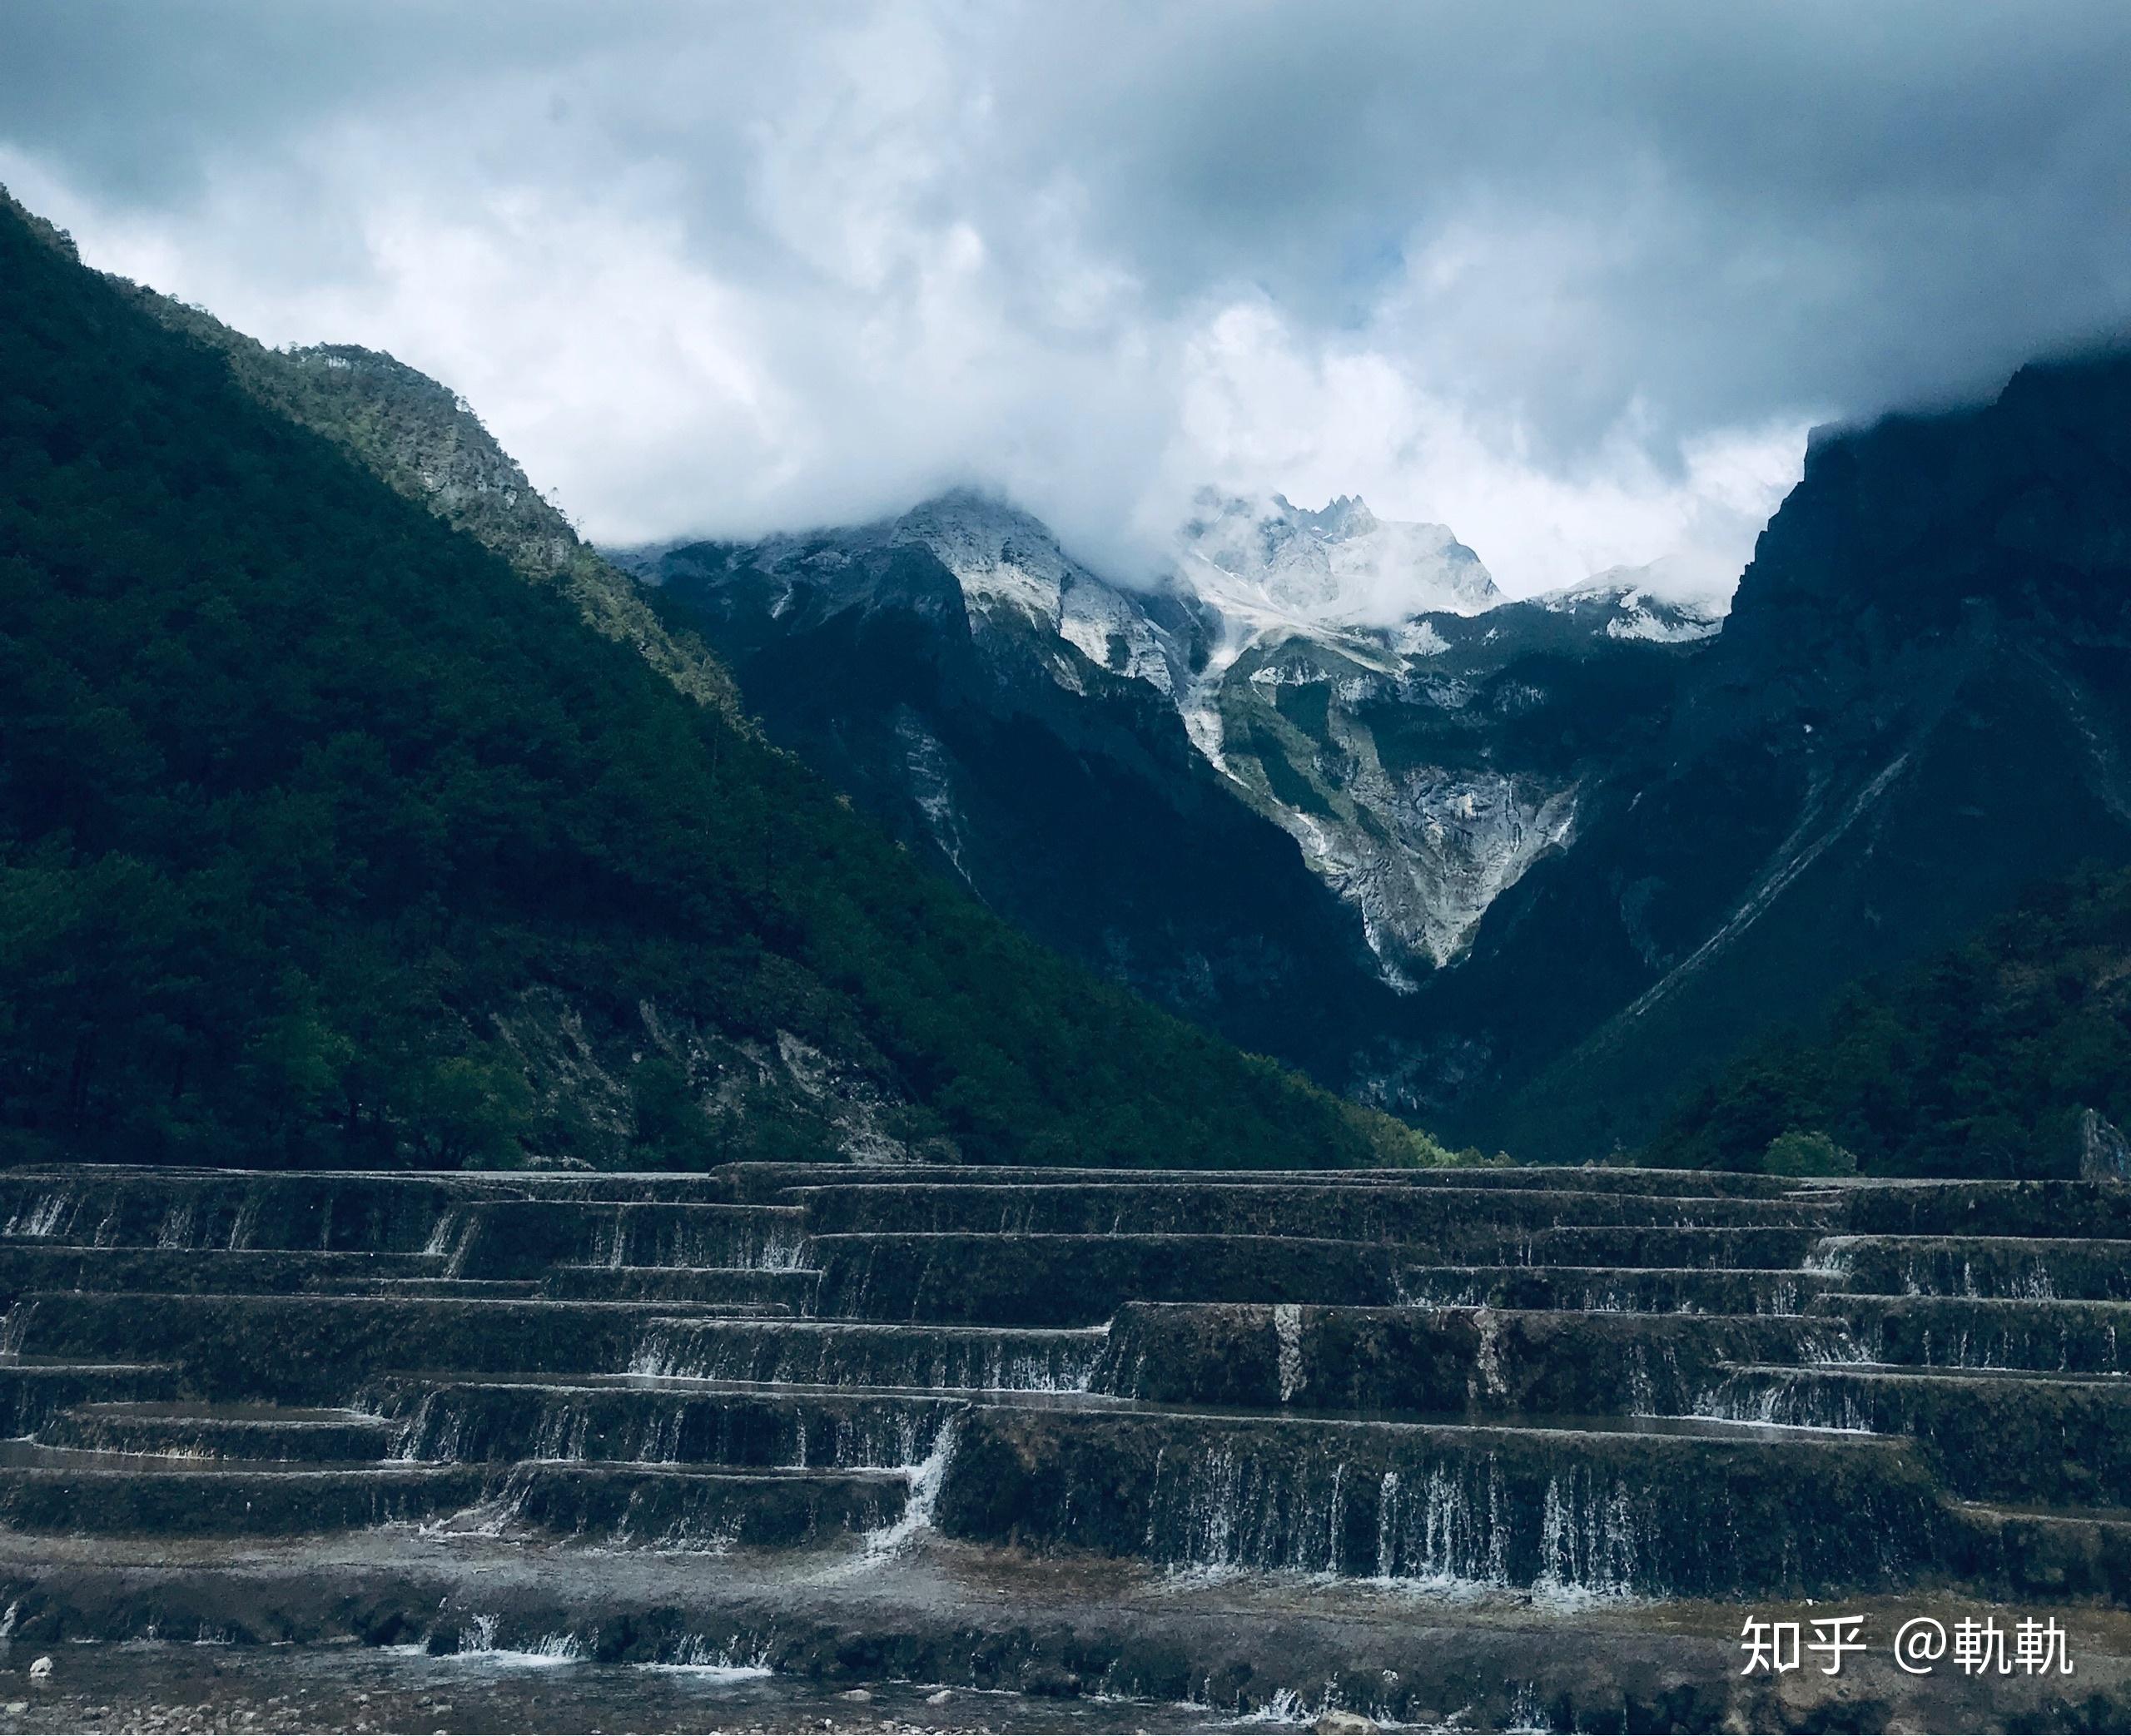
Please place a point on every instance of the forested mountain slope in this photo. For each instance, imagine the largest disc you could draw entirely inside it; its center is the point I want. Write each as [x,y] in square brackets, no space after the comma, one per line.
[1062,791]
[1919,704]
[325,837]
[426,442]
[1276,824]
[1989,1058]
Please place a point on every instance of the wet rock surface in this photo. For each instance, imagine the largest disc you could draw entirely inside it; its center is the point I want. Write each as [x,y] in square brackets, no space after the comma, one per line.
[1489,1448]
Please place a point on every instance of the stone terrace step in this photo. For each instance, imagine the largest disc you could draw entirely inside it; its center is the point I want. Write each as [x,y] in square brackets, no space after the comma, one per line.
[1608,1385]
[199,1209]
[2077,1337]
[35,1389]
[2047,1209]
[502,1420]
[256,1433]
[1757,1247]
[1444,1362]
[641,1186]
[139,1206]
[323,1350]
[50,1488]
[2002,1434]
[2038,1552]
[1377,1213]
[789,1291]
[523,1238]
[463,1289]
[1615,1289]
[852,1353]
[215,1271]
[1557,1511]
[675,1506]
[641,1506]
[1082,1280]
[767,1181]
[2035,1268]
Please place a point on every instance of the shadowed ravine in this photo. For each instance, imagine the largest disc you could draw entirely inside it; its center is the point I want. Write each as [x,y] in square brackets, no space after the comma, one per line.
[944,1426]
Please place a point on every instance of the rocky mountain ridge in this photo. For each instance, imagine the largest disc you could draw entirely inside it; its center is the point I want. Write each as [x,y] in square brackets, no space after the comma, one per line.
[1281,830]
[1273,641]
[1585,844]
[1919,704]
[337,829]
[427,444]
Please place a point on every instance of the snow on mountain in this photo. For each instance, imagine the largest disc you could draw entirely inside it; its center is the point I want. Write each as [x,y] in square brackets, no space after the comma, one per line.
[1245,572]
[1266,598]
[1271,563]
[1003,557]
[997,552]
[1652,603]
[1285,640]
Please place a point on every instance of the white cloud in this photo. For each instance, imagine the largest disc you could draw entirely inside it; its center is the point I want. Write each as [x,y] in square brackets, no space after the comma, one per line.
[1264,408]
[725,272]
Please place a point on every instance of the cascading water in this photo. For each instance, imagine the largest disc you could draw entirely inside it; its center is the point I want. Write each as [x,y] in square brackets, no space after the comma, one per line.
[245,1223]
[926,1474]
[562,1433]
[530,1399]
[477,1640]
[467,1231]
[1834,1343]
[1787,1398]
[1589,1539]
[737,1659]
[430,1436]
[45,1219]
[743,1238]
[838,1353]
[1441,1530]
[1830,1257]
[1287,1334]
[1451,1522]
[781,1253]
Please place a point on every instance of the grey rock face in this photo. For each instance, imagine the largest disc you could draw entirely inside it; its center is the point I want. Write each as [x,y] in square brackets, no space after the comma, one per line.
[1286,644]
[2105,1153]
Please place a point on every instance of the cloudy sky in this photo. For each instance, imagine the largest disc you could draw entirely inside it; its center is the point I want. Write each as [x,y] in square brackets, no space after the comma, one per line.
[1571,280]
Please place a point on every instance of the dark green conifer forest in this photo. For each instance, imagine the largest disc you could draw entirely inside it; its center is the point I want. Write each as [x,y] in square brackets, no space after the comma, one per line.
[1980,1061]
[305,797]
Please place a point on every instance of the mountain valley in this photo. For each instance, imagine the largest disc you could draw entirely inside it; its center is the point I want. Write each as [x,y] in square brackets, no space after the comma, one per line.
[1520,870]
[1278,822]
[356,813]
[1515,868]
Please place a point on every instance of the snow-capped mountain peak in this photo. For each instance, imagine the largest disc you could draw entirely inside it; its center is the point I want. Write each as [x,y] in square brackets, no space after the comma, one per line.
[1268,563]
[994,551]
[1653,603]
[1005,558]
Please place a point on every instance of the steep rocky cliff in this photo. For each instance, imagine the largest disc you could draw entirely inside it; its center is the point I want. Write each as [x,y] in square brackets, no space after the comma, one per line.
[1922,703]
[426,442]
[1226,786]
[1424,769]
[1585,846]
[1015,718]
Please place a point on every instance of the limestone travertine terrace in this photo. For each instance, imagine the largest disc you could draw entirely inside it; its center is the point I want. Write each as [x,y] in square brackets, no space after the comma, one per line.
[929,1424]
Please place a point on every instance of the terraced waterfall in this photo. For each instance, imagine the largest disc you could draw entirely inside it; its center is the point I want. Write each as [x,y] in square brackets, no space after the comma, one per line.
[1261,1443]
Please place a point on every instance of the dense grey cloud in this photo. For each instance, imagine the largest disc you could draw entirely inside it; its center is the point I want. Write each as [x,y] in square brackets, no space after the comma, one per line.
[1571,280]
